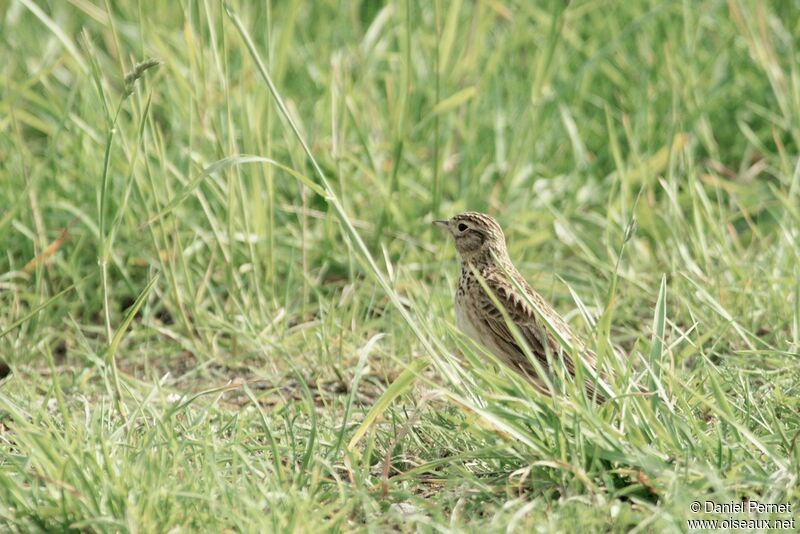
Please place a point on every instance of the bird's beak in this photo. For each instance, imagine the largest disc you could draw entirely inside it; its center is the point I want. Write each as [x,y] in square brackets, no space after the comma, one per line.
[442,224]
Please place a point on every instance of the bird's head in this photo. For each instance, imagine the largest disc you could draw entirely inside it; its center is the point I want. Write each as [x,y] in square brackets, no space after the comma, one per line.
[475,234]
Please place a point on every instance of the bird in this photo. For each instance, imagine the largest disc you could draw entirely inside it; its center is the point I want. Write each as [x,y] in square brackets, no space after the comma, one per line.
[488,279]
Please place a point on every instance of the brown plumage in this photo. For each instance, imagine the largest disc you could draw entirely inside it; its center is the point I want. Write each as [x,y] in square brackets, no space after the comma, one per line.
[481,244]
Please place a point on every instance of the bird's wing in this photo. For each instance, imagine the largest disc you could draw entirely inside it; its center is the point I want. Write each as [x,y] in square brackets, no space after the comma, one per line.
[532,328]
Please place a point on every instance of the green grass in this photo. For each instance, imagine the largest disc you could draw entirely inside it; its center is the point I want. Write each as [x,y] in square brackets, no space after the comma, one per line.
[224,306]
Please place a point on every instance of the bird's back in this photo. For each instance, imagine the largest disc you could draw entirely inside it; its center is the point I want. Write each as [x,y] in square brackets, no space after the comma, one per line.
[478,315]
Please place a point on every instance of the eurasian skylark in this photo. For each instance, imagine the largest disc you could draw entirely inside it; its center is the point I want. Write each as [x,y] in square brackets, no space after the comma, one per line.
[485,265]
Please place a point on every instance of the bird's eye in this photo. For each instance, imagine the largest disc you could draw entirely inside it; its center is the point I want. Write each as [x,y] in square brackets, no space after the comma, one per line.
[462,227]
